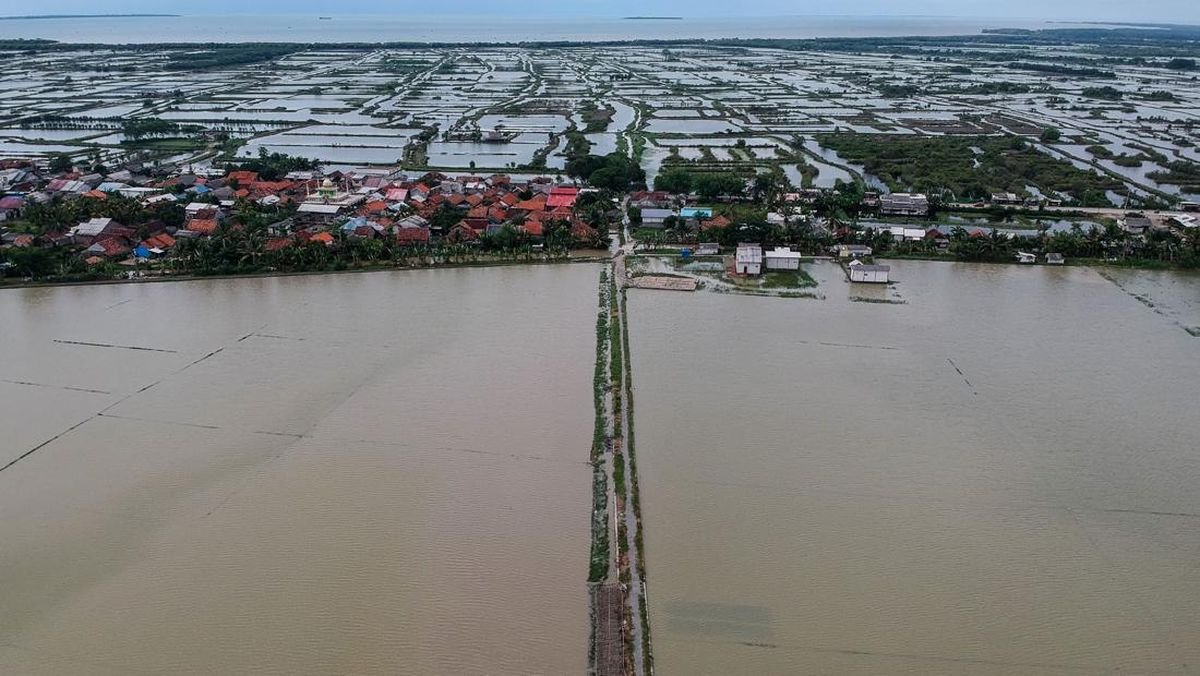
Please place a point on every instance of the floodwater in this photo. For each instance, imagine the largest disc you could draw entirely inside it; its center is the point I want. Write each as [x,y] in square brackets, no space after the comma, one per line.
[996,477]
[362,473]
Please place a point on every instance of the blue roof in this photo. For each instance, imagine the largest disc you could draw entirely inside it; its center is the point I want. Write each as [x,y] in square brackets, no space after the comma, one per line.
[696,212]
[200,189]
[141,252]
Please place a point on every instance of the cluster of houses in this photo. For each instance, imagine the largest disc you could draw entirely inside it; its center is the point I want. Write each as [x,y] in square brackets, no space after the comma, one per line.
[366,204]
[751,260]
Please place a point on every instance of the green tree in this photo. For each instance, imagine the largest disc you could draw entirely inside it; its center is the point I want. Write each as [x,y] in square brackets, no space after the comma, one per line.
[60,163]
[674,180]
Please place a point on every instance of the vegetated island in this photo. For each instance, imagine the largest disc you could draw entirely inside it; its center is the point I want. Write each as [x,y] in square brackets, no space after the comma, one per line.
[86,16]
[652,18]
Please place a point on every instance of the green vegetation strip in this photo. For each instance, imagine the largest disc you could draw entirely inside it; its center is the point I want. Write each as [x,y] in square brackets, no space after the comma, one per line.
[969,167]
[598,567]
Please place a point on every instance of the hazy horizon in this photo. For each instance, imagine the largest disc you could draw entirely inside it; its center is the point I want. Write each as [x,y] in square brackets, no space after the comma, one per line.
[1152,11]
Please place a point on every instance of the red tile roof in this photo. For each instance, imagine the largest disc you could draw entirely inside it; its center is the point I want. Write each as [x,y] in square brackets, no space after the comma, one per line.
[476,224]
[204,226]
[160,241]
[112,247]
[412,235]
[534,204]
[242,177]
[562,196]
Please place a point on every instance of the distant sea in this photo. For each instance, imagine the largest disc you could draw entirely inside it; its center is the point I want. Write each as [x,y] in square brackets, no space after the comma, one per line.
[393,28]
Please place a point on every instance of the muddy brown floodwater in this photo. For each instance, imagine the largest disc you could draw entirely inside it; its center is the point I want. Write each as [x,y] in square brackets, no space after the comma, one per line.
[371,473]
[998,476]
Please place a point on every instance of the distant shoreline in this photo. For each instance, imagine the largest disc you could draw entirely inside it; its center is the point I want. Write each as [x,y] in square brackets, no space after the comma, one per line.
[652,18]
[32,17]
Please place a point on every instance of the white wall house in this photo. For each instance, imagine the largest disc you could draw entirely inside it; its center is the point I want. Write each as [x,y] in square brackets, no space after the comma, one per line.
[782,258]
[748,260]
[869,274]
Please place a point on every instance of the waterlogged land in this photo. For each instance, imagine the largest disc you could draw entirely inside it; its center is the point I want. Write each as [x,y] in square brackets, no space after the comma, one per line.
[1124,126]
[375,473]
[926,487]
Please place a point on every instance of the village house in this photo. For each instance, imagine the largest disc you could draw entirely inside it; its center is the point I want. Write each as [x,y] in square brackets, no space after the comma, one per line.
[904,204]
[748,259]
[562,196]
[11,207]
[869,274]
[903,234]
[851,250]
[644,199]
[316,214]
[1135,224]
[656,218]
[1006,198]
[95,229]
[782,258]
[17,179]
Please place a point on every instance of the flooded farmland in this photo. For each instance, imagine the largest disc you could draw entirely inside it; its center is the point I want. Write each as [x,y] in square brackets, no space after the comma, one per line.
[701,108]
[831,486]
[381,473]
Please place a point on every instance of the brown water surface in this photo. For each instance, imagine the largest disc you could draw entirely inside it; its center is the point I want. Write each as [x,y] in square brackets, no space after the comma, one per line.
[376,473]
[998,476]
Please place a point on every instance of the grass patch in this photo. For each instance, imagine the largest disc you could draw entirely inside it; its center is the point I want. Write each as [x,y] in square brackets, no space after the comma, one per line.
[788,279]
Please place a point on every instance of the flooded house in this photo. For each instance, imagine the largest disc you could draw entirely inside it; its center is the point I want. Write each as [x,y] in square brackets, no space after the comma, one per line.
[869,274]
[748,259]
[782,258]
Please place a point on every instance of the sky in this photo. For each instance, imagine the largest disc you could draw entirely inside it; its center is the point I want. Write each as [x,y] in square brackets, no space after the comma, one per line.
[1178,11]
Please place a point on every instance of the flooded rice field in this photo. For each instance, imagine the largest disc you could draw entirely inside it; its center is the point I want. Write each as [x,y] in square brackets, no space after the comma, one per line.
[652,99]
[838,486]
[381,473]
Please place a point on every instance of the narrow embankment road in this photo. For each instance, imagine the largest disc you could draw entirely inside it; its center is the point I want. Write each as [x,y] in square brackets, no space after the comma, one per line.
[632,563]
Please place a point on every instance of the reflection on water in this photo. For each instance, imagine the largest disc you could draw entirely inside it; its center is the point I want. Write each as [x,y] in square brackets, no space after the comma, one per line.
[381,473]
[995,477]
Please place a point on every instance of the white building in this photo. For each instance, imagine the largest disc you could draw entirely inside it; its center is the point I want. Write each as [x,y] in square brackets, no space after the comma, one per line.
[748,260]
[903,234]
[782,258]
[1023,257]
[869,274]
[904,204]
[708,249]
